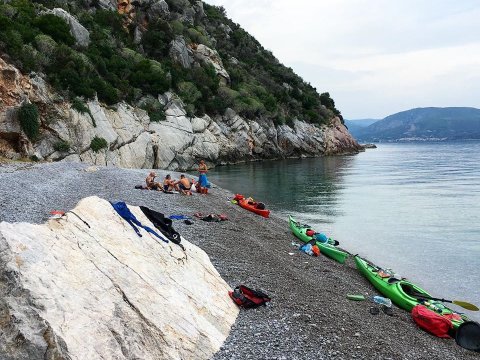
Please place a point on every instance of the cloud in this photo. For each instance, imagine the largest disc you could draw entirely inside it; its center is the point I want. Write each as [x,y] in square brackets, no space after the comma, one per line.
[393,55]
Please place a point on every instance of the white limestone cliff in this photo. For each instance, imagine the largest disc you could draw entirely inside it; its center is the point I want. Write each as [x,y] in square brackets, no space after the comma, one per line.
[135,142]
[69,291]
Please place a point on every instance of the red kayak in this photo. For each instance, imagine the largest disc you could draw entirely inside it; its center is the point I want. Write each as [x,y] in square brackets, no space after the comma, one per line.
[253,206]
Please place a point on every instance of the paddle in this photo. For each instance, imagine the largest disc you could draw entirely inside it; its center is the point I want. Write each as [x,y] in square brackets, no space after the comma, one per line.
[463,304]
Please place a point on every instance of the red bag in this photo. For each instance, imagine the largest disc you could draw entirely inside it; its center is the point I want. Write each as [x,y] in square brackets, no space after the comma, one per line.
[248,298]
[310,232]
[431,322]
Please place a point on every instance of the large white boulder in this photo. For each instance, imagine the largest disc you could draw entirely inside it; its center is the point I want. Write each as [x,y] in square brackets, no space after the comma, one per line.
[69,290]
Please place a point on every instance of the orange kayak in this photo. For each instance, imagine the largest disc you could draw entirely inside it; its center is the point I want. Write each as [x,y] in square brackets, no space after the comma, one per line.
[251,206]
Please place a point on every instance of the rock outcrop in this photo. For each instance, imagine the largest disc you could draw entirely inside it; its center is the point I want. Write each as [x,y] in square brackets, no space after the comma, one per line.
[93,289]
[135,142]
[78,31]
[338,140]
[210,57]
[181,53]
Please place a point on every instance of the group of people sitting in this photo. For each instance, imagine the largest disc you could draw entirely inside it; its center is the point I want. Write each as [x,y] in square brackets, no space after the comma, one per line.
[185,185]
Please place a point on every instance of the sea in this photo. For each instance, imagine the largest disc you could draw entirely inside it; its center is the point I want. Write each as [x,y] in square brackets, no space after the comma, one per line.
[411,207]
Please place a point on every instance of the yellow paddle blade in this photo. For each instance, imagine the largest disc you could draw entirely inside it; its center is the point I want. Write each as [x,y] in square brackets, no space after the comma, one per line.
[465,305]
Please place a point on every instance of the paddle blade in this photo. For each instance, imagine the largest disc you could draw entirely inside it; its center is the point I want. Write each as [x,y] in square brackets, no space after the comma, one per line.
[465,305]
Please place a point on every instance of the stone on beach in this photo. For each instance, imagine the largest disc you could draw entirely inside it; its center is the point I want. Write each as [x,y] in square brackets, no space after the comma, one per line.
[101,292]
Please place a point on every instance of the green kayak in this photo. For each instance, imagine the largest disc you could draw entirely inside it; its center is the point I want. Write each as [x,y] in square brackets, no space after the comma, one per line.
[327,249]
[403,293]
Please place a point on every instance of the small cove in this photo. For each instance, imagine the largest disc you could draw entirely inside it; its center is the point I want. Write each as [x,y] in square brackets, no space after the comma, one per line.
[413,207]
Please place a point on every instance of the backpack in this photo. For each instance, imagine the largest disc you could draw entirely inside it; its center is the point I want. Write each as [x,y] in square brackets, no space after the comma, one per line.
[248,298]
[431,322]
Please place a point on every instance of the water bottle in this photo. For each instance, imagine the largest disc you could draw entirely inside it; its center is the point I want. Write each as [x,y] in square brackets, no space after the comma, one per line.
[382,301]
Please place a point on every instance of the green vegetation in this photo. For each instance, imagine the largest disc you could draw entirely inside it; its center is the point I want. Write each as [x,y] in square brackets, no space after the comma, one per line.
[80,106]
[56,27]
[98,143]
[154,109]
[61,146]
[28,116]
[115,68]
[264,86]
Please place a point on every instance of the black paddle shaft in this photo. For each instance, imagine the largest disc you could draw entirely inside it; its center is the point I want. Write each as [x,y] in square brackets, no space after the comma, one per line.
[422,296]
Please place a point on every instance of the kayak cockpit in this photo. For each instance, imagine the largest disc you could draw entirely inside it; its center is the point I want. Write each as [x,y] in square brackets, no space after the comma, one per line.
[411,290]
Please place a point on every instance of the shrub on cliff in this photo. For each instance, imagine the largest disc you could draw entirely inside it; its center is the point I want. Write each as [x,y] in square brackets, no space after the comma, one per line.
[45,44]
[61,146]
[157,38]
[153,107]
[29,121]
[149,76]
[196,36]
[98,143]
[214,12]
[56,27]
[177,5]
[80,106]
[105,91]
[189,92]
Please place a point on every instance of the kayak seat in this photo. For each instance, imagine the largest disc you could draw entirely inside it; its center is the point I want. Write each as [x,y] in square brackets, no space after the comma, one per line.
[393,280]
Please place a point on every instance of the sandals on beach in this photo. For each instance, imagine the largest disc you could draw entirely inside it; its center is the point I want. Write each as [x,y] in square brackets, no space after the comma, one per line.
[374,310]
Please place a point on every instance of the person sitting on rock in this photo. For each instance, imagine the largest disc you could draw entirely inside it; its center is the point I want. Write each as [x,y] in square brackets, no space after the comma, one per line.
[151,184]
[185,185]
[169,184]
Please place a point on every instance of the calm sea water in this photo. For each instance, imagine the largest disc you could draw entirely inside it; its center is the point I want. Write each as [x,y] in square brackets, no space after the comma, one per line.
[414,208]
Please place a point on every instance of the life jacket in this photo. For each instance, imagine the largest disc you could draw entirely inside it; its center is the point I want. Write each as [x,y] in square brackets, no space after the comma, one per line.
[248,298]
[431,322]
[315,250]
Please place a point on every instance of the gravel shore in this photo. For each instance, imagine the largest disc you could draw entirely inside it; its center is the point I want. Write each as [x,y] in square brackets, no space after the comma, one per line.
[309,316]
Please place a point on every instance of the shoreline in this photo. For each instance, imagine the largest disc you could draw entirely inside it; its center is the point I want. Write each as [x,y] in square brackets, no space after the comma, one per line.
[309,316]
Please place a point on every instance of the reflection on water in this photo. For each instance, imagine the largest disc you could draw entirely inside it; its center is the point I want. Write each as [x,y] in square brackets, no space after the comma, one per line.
[294,186]
[412,207]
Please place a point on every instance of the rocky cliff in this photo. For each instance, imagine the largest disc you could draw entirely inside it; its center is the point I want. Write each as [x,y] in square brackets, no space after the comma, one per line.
[95,290]
[136,142]
[153,84]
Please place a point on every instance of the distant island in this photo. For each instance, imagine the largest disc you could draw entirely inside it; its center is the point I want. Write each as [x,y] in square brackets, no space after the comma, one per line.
[420,124]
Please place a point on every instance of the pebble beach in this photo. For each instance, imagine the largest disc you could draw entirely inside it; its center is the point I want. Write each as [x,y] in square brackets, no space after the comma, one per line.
[309,316]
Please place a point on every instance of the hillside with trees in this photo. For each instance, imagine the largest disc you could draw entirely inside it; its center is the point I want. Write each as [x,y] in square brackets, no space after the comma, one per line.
[421,124]
[129,58]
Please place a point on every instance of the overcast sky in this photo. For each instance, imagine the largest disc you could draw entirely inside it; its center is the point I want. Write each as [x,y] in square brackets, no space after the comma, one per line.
[375,57]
